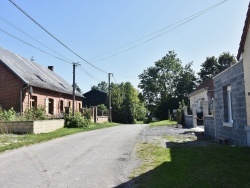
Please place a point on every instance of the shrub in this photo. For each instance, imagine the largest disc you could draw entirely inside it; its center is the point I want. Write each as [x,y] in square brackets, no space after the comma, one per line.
[76,121]
[35,114]
[8,115]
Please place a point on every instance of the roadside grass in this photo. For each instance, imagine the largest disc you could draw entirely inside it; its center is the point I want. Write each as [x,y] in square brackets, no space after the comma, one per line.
[162,123]
[211,166]
[12,141]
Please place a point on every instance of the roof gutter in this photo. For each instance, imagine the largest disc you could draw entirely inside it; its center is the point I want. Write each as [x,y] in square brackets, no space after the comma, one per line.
[21,98]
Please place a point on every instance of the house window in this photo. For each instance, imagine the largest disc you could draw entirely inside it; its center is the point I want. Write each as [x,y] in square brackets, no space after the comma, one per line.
[80,106]
[228,112]
[33,102]
[61,106]
[69,104]
[51,106]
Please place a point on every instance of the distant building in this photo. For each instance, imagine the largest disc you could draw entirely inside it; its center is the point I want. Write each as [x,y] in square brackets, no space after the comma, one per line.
[94,97]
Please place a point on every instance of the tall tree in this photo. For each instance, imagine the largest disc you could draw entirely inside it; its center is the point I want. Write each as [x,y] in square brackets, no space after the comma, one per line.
[213,66]
[208,69]
[225,60]
[102,86]
[158,84]
[186,82]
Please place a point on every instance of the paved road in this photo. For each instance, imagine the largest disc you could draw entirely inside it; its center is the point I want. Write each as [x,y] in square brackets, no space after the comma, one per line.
[91,159]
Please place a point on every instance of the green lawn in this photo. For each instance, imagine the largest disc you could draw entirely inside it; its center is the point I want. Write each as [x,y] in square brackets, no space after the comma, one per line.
[182,166]
[162,123]
[12,141]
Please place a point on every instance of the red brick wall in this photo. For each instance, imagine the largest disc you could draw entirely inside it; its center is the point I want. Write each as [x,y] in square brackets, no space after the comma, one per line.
[42,94]
[10,87]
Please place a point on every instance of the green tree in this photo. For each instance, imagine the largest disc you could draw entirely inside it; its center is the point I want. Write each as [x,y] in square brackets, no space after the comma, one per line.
[158,84]
[208,69]
[185,83]
[102,86]
[213,66]
[225,60]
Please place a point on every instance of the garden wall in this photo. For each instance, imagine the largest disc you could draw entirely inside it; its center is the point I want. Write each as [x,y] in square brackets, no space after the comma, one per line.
[209,127]
[35,127]
[189,121]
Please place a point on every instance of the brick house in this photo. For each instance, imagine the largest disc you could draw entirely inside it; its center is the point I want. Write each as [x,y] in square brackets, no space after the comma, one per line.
[232,97]
[25,84]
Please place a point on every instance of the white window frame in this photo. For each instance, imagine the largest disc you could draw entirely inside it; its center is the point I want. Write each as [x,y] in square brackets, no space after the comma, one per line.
[229,110]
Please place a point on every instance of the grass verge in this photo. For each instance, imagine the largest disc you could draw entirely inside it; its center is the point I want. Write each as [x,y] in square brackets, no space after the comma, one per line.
[211,166]
[162,123]
[12,141]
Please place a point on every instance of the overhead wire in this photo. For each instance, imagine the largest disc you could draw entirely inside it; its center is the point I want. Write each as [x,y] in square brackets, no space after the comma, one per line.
[148,40]
[81,69]
[33,46]
[26,14]
[20,30]
[204,10]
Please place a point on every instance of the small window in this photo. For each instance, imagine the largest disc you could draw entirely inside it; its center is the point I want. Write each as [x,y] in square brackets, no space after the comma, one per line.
[62,85]
[51,106]
[228,111]
[69,104]
[33,102]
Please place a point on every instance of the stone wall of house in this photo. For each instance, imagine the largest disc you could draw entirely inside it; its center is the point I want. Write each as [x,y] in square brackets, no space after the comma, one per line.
[209,126]
[235,133]
[10,87]
[189,121]
[246,62]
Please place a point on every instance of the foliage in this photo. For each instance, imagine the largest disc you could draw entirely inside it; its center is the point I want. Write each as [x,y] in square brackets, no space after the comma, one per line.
[103,108]
[102,86]
[180,113]
[126,106]
[213,66]
[166,83]
[35,114]
[76,121]
[8,115]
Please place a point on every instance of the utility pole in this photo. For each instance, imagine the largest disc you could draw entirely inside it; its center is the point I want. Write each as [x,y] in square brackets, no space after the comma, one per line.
[110,117]
[74,87]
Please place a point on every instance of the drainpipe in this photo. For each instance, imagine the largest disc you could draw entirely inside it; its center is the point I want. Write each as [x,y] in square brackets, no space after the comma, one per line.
[21,98]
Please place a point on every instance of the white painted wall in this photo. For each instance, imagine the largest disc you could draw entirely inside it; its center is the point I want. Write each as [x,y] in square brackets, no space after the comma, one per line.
[197,99]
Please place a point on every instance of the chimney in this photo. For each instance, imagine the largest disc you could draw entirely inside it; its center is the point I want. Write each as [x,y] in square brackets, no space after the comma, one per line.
[51,68]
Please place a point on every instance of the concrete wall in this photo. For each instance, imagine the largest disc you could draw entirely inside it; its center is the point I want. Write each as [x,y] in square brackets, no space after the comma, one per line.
[246,66]
[197,97]
[235,133]
[209,126]
[188,121]
[35,127]
[102,119]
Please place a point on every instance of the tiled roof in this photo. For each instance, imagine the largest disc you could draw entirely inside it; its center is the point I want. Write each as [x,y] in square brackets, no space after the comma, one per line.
[34,74]
[244,33]
[205,85]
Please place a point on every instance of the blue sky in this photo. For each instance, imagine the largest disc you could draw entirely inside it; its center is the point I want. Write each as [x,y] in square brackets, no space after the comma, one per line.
[93,28]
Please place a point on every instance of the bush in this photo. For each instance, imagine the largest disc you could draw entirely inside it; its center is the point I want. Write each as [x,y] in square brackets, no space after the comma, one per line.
[35,114]
[76,121]
[8,115]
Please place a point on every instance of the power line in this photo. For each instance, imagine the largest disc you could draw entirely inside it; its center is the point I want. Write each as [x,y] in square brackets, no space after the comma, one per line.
[33,46]
[114,78]
[20,30]
[88,74]
[19,8]
[181,23]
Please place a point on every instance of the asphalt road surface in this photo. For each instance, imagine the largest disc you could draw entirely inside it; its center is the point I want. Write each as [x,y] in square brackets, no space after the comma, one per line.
[96,159]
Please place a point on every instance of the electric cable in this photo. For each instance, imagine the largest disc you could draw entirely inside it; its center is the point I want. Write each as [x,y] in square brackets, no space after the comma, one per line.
[20,30]
[33,46]
[19,8]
